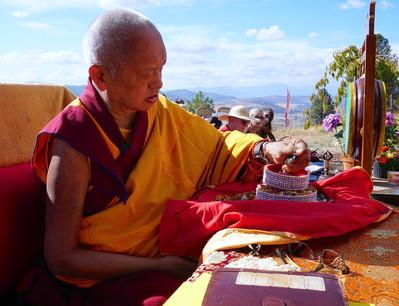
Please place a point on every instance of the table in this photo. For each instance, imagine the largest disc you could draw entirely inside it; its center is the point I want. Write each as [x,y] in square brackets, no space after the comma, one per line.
[372,254]
[385,192]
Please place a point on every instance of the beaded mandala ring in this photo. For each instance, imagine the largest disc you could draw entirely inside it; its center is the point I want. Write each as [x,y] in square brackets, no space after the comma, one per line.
[274,177]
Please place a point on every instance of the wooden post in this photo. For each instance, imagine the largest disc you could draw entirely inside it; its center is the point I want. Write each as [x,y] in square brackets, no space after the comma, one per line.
[369,91]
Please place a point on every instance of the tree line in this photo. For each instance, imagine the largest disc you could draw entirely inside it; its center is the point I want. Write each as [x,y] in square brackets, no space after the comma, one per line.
[345,68]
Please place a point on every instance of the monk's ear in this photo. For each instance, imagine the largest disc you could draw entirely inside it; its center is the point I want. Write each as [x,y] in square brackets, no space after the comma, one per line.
[98,76]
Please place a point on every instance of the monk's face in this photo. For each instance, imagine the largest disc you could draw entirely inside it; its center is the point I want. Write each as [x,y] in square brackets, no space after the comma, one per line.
[136,84]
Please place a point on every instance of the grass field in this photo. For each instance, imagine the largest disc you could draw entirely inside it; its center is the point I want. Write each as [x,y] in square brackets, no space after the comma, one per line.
[317,139]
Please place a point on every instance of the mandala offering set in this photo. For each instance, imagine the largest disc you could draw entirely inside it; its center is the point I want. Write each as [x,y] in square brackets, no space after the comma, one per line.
[277,185]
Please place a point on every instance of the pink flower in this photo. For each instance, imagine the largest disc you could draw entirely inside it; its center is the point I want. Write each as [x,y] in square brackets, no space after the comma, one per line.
[331,122]
[389,119]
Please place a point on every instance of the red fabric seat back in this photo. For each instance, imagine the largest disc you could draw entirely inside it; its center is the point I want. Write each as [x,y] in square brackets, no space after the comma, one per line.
[22,207]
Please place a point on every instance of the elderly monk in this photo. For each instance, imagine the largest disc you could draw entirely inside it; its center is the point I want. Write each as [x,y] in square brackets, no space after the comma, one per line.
[112,158]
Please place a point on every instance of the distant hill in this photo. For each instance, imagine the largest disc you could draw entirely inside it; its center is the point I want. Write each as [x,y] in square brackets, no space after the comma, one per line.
[76,89]
[184,94]
[243,92]
[187,95]
[276,102]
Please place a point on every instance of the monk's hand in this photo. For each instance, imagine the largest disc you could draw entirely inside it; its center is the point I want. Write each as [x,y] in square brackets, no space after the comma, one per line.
[292,153]
[180,266]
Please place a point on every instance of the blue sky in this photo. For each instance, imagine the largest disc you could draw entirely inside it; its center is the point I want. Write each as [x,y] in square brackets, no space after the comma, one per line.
[211,44]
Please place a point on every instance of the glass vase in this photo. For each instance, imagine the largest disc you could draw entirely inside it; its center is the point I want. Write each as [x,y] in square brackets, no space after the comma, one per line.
[380,170]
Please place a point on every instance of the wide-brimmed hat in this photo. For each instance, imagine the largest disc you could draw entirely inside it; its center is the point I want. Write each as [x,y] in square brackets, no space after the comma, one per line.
[238,111]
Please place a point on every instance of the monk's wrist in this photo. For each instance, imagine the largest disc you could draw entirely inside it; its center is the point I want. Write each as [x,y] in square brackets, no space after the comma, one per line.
[266,152]
[260,152]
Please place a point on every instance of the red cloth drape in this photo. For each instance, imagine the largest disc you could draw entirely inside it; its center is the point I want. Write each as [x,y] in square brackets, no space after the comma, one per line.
[187,225]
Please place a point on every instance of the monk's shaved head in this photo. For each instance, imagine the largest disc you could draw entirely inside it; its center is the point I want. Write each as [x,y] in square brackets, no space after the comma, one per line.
[114,36]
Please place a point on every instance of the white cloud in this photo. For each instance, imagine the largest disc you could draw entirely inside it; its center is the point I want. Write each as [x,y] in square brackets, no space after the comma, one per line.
[251,32]
[136,4]
[196,58]
[20,14]
[37,25]
[273,32]
[386,4]
[179,39]
[46,5]
[63,67]
[349,4]
[227,62]
[133,4]
[313,34]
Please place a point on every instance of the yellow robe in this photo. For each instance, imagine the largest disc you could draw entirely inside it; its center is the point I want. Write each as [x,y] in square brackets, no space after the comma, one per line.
[182,153]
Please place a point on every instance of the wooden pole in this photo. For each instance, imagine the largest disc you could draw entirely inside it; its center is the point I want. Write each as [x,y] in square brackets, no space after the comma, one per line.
[369,91]
[368,107]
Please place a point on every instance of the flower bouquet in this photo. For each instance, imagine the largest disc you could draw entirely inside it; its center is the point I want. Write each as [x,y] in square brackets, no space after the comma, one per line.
[332,123]
[388,158]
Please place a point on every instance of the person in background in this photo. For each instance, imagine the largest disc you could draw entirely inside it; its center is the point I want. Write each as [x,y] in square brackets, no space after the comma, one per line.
[215,122]
[269,116]
[256,114]
[237,119]
[111,160]
[261,123]
[179,101]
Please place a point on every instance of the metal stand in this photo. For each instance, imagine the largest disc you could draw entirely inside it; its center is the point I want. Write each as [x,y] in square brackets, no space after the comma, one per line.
[326,157]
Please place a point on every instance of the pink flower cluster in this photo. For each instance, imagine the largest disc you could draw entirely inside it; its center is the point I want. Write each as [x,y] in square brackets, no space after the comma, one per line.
[331,122]
[389,119]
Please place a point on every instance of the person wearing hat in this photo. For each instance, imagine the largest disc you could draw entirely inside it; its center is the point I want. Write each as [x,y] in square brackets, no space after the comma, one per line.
[214,120]
[237,119]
